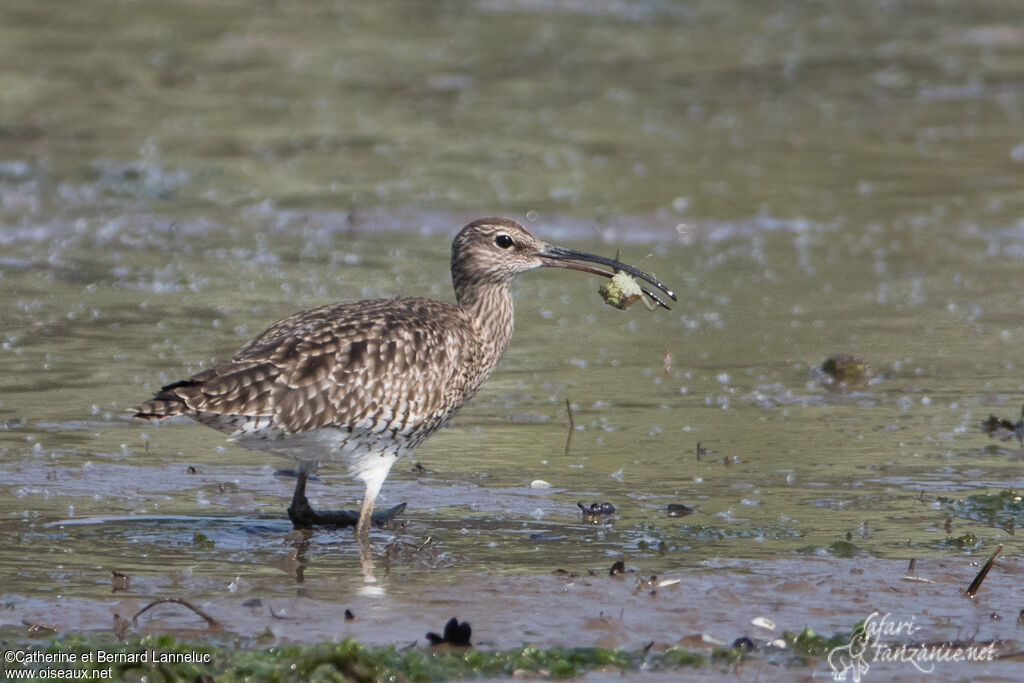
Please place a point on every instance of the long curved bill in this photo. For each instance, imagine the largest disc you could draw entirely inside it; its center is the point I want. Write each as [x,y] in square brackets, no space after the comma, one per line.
[560,257]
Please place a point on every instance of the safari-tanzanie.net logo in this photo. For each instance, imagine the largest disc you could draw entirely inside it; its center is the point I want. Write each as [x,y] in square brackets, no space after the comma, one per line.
[886,639]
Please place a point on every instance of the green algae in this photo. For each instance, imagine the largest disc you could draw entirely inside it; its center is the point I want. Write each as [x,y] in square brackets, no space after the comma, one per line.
[1002,510]
[168,658]
[806,646]
[844,549]
[202,542]
[966,541]
[843,372]
[157,658]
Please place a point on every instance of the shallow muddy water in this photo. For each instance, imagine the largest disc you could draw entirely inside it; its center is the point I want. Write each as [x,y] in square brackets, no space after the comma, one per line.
[810,180]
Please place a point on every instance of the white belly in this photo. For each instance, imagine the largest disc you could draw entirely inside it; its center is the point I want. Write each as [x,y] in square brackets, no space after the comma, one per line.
[368,456]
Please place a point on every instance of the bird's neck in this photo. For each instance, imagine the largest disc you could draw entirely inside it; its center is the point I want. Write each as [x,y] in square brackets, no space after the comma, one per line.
[490,308]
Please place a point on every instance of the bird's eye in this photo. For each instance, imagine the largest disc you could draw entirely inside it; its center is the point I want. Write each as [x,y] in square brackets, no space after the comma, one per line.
[503,241]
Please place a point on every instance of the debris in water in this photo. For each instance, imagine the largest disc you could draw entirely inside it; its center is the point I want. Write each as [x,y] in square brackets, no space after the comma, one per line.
[679,510]
[426,555]
[178,601]
[972,590]
[455,633]
[596,512]
[643,584]
[275,615]
[916,579]
[844,372]
[743,643]
[1004,430]
[572,426]
[911,575]
[37,629]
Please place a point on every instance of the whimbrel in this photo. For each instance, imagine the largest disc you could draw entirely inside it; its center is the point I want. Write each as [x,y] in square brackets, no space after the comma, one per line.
[366,382]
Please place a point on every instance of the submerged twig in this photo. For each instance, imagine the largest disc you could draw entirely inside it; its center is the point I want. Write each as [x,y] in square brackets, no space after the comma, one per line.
[972,590]
[572,426]
[275,615]
[912,576]
[178,601]
[35,628]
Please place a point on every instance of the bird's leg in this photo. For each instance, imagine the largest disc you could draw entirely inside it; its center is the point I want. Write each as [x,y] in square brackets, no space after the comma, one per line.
[301,513]
[365,514]
[303,516]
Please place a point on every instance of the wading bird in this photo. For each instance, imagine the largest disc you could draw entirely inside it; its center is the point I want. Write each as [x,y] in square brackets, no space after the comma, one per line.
[363,383]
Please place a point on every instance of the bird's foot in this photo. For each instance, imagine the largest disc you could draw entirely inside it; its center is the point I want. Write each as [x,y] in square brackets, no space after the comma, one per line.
[303,516]
[382,517]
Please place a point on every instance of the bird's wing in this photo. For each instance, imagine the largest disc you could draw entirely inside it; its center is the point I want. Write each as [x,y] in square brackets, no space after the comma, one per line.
[397,364]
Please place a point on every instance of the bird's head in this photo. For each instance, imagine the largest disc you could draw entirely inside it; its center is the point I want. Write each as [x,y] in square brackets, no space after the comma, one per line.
[495,250]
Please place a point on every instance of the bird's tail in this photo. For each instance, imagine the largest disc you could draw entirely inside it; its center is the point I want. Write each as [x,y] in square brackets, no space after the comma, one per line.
[157,409]
[167,403]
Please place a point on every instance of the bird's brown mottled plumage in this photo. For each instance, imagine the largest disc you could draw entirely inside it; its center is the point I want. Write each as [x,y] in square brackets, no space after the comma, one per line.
[366,382]
[400,365]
